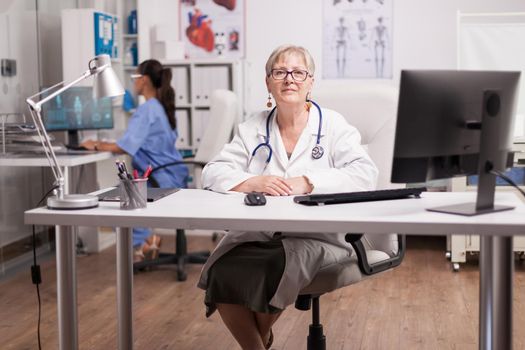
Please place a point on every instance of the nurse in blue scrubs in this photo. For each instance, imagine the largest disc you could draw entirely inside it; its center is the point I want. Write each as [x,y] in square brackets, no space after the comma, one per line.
[150,140]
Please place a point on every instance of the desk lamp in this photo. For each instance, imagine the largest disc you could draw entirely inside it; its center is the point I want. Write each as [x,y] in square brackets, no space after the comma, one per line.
[106,84]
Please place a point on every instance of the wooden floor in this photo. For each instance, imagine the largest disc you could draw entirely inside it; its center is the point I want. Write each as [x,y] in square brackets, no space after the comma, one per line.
[420,305]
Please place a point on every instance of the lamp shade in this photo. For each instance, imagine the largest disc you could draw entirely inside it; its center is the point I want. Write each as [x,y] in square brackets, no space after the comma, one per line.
[106,82]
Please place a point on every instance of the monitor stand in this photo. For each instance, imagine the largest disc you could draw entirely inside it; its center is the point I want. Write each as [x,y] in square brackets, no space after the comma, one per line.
[73,138]
[490,157]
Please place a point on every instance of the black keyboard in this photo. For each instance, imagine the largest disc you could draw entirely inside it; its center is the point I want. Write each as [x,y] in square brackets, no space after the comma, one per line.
[365,196]
[76,148]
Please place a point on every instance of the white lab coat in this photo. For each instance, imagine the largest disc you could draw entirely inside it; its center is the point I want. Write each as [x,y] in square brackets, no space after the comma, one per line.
[344,167]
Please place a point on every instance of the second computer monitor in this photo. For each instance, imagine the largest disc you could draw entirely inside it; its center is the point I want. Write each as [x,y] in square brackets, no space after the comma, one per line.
[76,109]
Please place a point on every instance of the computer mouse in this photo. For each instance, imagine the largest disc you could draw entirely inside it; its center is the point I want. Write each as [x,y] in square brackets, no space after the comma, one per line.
[255,198]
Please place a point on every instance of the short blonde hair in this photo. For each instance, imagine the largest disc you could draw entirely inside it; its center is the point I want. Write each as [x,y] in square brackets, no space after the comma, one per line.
[285,50]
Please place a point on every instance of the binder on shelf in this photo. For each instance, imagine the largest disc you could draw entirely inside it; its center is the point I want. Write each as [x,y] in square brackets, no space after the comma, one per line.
[199,124]
[196,86]
[208,79]
[220,78]
[180,83]
[206,84]
[183,128]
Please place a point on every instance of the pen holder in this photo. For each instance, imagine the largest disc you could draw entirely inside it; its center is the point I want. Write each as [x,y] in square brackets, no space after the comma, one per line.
[133,194]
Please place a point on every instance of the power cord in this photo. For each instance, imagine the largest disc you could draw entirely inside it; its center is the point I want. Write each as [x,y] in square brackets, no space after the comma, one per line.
[507,179]
[36,276]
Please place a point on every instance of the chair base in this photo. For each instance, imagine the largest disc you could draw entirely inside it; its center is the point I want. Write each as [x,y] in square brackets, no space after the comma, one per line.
[316,339]
[174,259]
[180,258]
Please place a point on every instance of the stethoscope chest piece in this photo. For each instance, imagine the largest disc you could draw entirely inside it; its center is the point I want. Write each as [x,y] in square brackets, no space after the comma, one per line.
[317,152]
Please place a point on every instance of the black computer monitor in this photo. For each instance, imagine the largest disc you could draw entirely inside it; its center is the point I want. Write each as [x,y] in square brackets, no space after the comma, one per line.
[76,109]
[454,123]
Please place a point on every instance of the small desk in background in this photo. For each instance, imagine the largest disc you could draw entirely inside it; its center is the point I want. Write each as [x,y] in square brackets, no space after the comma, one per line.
[30,195]
[66,161]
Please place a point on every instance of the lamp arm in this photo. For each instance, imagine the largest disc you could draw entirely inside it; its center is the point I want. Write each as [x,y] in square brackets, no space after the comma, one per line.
[35,108]
[48,150]
[38,105]
[45,90]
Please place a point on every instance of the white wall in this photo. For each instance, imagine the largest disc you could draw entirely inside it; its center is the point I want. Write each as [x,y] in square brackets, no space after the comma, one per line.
[18,42]
[424,34]
[151,13]
[50,39]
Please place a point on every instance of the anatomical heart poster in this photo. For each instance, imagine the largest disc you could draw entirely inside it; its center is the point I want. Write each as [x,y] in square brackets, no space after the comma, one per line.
[212,28]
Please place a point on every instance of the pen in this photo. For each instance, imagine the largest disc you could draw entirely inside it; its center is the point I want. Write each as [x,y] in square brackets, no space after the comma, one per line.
[135,174]
[147,172]
[126,171]
[119,167]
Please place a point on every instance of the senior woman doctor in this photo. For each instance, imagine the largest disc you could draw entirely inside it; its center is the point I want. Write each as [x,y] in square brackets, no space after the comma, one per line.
[252,276]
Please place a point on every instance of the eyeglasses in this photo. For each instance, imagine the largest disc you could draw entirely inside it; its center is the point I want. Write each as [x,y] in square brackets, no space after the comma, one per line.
[135,76]
[297,74]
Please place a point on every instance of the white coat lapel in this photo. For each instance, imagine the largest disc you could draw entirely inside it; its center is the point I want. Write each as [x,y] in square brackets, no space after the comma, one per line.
[308,137]
[279,152]
[276,144]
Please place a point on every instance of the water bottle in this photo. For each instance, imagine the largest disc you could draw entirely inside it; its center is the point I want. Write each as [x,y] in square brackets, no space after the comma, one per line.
[135,54]
[132,22]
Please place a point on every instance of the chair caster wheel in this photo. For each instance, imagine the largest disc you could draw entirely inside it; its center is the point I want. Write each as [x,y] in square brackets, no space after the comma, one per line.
[455,267]
[448,255]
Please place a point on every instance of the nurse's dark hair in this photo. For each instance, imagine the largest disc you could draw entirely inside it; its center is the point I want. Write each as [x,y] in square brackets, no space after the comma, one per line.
[161,79]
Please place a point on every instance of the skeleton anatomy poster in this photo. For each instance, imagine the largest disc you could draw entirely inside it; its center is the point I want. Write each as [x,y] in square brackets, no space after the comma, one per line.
[357,39]
[212,28]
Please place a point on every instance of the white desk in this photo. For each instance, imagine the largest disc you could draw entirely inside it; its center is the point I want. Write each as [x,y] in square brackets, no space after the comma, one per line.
[198,209]
[66,161]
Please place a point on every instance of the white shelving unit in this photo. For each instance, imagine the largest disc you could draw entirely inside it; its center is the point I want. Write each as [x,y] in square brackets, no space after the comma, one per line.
[128,40]
[194,82]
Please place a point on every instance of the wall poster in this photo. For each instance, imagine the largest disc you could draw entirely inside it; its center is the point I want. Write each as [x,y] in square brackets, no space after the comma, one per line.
[357,39]
[212,28]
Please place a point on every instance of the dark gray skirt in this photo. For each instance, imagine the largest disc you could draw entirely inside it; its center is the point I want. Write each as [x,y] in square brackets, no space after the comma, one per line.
[247,275]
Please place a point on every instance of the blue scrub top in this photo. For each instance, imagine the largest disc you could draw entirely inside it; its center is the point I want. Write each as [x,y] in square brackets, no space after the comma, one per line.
[149,139]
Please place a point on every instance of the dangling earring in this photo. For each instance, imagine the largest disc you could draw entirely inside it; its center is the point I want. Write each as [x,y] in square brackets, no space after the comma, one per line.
[308,103]
[269,103]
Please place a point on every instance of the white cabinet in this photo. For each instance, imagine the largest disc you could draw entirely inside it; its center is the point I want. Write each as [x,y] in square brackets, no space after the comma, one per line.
[194,82]
[87,33]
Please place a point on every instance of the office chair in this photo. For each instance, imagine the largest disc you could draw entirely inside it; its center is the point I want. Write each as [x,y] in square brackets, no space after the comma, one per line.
[372,110]
[223,117]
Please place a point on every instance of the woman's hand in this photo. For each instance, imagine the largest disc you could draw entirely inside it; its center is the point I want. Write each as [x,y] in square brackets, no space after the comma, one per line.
[102,146]
[299,184]
[89,144]
[272,185]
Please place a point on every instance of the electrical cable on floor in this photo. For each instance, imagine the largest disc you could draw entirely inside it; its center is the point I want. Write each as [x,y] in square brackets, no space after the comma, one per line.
[36,276]
[507,179]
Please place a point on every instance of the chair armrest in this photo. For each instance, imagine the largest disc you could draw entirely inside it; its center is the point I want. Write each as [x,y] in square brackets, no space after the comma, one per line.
[370,269]
[193,162]
[154,182]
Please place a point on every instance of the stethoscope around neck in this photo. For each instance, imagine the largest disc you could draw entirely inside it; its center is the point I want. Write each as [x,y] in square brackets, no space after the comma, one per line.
[317,151]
